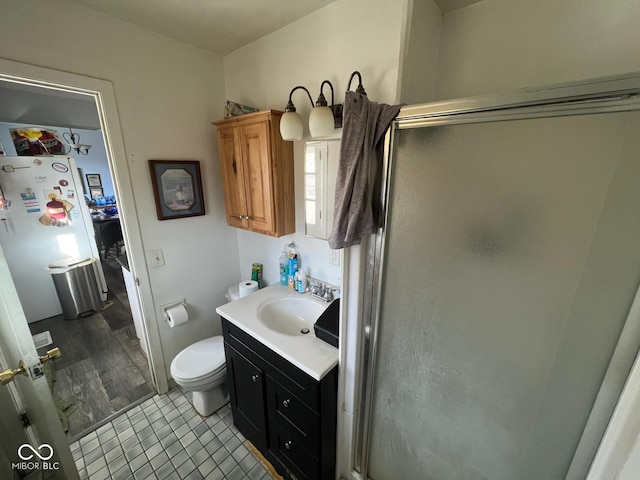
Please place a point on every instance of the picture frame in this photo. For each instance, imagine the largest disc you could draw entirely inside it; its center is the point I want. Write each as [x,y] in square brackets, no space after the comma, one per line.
[177,188]
[96,192]
[94,180]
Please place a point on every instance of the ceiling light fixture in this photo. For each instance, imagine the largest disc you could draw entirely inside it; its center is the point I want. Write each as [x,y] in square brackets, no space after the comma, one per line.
[73,140]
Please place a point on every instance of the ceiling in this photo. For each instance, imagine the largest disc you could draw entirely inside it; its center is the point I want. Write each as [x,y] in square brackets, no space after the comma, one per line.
[220,26]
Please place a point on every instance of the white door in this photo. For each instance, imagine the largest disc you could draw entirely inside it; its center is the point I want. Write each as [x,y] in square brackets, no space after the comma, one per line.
[42,446]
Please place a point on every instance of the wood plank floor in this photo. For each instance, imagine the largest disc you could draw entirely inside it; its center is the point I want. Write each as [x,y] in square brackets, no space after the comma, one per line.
[102,370]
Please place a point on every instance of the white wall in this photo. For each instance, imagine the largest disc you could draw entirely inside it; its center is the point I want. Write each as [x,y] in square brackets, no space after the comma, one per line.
[167,94]
[421,49]
[329,44]
[499,45]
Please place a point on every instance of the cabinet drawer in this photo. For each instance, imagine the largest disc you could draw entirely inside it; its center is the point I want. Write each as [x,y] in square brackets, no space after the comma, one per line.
[302,422]
[292,454]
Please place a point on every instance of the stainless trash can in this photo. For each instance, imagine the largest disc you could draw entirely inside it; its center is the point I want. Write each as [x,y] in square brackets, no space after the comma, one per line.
[76,285]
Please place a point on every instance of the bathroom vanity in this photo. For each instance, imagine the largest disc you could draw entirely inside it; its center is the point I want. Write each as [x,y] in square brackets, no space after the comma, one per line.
[283,386]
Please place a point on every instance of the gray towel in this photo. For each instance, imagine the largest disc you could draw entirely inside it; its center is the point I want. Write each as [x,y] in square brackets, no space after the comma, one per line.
[364,125]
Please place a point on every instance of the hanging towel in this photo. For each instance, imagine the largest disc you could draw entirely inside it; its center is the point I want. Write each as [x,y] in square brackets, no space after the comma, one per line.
[364,125]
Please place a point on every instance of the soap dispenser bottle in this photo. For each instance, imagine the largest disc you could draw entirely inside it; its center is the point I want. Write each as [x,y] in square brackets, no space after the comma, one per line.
[284,270]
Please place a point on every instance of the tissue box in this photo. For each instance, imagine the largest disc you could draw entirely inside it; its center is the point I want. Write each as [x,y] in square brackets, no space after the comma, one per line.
[326,327]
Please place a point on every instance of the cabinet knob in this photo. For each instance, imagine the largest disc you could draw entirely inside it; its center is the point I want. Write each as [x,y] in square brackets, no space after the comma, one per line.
[255,377]
[247,217]
[287,445]
[240,217]
[286,402]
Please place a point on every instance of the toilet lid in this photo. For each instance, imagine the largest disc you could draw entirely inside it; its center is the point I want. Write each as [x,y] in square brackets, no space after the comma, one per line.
[200,359]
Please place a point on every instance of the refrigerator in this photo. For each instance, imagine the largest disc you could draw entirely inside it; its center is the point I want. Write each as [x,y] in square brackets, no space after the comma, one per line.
[44,219]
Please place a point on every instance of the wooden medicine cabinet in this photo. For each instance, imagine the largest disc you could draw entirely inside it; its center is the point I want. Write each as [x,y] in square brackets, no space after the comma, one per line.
[257,173]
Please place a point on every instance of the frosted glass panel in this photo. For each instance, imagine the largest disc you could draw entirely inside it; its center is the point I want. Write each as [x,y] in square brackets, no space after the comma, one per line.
[506,284]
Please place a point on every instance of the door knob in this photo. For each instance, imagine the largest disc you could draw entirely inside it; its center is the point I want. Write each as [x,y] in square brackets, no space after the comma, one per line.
[7,376]
[52,354]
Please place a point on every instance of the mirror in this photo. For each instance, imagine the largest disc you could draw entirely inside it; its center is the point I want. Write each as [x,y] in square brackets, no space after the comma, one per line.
[320,170]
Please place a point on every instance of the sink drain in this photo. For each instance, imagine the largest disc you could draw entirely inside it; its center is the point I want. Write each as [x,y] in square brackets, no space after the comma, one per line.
[304,331]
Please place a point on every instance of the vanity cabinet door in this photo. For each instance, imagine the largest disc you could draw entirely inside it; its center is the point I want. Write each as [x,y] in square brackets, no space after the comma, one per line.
[246,390]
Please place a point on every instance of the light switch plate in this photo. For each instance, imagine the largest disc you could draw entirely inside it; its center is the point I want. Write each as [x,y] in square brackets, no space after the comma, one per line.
[157,258]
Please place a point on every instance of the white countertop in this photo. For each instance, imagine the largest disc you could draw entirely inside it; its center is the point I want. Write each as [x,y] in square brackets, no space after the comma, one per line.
[312,355]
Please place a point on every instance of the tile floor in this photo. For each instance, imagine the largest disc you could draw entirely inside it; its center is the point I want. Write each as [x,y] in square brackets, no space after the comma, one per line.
[164,438]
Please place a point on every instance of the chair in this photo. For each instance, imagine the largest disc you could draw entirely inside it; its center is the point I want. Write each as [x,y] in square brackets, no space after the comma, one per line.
[111,235]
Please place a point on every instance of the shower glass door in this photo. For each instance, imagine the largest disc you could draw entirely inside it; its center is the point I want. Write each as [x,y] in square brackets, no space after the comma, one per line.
[511,259]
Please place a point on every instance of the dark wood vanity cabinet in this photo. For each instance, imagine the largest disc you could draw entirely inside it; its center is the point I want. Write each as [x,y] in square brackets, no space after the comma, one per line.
[285,413]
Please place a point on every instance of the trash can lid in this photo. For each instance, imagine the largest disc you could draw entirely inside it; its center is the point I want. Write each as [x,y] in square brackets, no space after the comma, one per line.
[70,262]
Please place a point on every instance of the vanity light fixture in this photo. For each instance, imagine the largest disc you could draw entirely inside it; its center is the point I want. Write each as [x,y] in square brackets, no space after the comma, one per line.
[73,140]
[322,121]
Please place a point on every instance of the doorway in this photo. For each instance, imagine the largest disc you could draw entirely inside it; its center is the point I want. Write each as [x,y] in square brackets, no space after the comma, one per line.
[104,101]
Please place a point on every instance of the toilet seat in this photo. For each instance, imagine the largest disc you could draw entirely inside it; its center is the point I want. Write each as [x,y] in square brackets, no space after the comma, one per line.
[201,362]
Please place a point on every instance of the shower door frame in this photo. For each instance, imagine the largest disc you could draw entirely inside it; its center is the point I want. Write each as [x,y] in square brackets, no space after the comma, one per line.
[617,93]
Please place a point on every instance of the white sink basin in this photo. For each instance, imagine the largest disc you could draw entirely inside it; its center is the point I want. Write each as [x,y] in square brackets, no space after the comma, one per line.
[291,315]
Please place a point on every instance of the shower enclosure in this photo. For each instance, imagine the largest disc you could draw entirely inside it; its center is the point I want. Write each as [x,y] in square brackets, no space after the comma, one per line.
[501,285]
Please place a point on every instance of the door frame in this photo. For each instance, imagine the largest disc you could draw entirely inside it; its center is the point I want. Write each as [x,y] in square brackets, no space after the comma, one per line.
[615,435]
[103,92]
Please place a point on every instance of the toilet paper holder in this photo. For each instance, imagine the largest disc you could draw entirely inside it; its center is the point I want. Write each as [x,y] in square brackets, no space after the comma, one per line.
[168,306]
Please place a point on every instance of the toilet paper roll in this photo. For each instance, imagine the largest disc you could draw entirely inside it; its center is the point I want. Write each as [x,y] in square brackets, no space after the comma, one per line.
[247,287]
[177,315]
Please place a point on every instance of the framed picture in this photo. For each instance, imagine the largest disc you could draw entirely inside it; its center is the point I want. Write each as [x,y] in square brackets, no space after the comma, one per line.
[93,180]
[177,188]
[96,192]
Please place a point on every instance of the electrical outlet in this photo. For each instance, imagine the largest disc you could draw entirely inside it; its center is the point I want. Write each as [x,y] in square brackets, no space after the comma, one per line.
[334,257]
[157,258]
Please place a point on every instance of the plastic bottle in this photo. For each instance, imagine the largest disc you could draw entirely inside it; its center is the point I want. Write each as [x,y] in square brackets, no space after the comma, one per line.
[296,280]
[302,281]
[284,270]
[293,268]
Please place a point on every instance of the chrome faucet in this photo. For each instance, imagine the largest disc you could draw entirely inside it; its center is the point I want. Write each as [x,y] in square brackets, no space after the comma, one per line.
[322,291]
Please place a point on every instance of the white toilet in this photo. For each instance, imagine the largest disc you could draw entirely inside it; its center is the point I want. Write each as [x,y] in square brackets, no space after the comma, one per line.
[200,368]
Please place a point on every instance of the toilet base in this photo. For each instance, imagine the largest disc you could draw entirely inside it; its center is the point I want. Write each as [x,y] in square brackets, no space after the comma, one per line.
[207,403]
